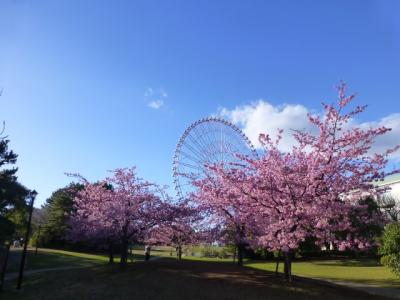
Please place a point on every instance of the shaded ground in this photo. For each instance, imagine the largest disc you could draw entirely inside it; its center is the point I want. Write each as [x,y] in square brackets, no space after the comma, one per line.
[369,288]
[172,279]
[51,258]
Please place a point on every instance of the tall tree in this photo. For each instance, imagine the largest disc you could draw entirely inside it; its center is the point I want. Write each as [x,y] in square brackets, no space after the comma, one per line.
[312,190]
[228,217]
[12,193]
[121,214]
[56,212]
[178,230]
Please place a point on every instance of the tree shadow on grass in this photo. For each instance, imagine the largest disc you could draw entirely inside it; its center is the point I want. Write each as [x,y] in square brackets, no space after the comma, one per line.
[48,260]
[349,263]
[172,279]
[257,283]
[45,259]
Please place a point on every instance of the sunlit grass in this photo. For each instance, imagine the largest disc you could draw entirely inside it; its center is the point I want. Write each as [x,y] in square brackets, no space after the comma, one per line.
[172,279]
[363,271]
[366,271]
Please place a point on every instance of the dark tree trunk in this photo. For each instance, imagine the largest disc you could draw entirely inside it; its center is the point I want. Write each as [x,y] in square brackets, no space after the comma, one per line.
[288,265]
[111,253]
[124,252]
[179,252]
[240,245]
[234,254]
[4,266]
[240,249]
[277,263]
[131,253]
[147,253]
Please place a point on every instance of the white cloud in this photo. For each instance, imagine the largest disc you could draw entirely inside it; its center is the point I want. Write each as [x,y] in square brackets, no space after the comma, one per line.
[391,138]
[149,92]
[163,93]
[263,117]
[155,98]
[156,104]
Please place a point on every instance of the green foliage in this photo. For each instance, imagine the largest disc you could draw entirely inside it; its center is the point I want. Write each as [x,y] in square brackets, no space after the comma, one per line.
[373,229]
[12,194]
[230,248]
[308,248]
[56,212]
[209,251]
[257,253]
[369,231]
[212,251]
[19,217]
[7,228]
[390,248]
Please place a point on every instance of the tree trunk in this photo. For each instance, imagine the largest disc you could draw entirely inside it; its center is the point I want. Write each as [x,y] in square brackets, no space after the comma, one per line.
[131,253]
[124,252]
[240,254]
[179,252]
[234,254]
[277,263]
[111,253]
[147,253]
[124,245]
[240,244]
[288,265]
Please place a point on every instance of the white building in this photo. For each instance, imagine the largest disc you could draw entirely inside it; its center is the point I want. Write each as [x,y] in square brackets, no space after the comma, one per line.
[390,201]
[393,182]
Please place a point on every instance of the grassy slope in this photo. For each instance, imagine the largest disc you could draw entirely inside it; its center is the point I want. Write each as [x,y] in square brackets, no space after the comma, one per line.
[172,279]
[51,258]
[359,271]
[363,271]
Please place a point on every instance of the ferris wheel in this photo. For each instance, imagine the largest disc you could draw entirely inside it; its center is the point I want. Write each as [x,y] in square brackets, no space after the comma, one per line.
[205,142]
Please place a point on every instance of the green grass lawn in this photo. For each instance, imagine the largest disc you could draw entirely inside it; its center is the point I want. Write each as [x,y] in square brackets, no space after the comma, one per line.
[365,271]
[172,279]
[51,258]
[210,259]
[194,272]
[362,271]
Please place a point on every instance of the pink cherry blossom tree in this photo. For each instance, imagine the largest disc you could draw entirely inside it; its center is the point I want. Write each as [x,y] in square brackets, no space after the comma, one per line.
[88,222]
[181,229]
[121,209]
[228,218]
[310,191]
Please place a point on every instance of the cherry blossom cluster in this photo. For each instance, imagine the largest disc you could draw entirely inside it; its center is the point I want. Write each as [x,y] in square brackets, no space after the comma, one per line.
[280,199]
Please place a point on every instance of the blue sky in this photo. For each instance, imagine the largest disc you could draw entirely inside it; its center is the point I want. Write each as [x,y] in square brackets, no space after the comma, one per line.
[89,86]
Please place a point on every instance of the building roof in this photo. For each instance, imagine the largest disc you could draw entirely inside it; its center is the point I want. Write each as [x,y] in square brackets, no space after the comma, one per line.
[389,180]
